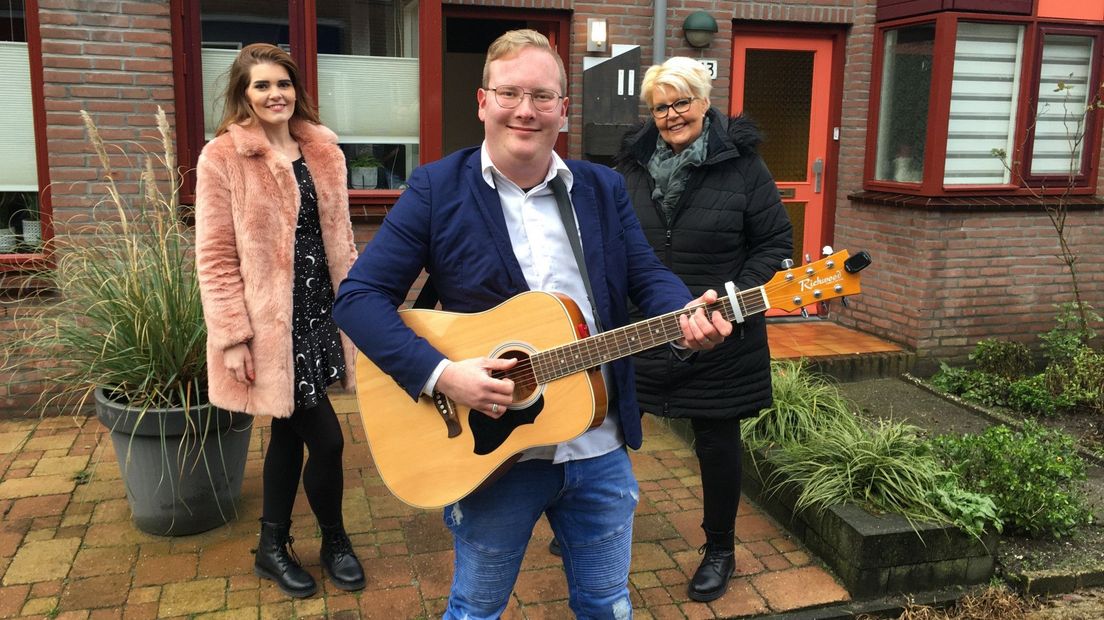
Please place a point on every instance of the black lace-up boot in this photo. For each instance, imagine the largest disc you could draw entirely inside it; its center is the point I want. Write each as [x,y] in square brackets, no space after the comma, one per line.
[710,582]
[276,560]
[338,559]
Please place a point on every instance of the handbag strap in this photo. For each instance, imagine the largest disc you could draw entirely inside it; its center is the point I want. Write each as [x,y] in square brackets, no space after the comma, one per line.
[567,215]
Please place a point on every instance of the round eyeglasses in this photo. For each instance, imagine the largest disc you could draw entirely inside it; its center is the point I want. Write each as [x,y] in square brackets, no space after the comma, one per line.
[680,106]
[510,97]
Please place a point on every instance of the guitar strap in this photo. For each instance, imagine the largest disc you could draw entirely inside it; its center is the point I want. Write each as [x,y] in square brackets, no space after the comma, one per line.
[567,214]
[428,298]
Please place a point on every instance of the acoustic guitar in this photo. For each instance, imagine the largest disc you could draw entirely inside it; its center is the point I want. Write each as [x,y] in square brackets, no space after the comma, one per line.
[433,452]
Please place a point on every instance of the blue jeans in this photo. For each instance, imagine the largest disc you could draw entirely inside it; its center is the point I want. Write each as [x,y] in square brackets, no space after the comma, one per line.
[590,505]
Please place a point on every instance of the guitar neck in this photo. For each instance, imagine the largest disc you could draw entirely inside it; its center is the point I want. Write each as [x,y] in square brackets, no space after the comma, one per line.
[607,346]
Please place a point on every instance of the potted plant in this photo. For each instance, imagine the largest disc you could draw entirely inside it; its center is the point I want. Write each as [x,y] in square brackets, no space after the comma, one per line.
[31,222]
[7,234]
[127,332]
[363,171]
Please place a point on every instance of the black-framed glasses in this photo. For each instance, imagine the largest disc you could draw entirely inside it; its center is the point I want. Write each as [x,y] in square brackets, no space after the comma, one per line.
[510,97]
[680,106]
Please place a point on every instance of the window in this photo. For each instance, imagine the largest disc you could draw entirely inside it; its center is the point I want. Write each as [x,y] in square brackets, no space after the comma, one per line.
[21,214]
[359,61]
[983,104]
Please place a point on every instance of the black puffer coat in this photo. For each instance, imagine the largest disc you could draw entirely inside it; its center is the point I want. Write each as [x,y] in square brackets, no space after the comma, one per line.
[729,224]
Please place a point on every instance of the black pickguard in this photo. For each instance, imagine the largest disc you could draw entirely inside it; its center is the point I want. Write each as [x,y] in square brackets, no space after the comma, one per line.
[490,433]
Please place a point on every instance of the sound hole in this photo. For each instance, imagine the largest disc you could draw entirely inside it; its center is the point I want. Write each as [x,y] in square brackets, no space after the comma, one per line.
[522,374]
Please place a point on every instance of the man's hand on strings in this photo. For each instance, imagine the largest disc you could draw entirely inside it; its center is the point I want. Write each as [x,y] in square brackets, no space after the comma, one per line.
[699,331]
[469,383]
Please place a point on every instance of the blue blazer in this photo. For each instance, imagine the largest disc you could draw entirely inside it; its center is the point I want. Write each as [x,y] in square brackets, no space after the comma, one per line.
[450,222]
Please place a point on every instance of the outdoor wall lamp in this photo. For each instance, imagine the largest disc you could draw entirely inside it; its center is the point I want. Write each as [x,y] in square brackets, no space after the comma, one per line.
[597,39]
[699,29]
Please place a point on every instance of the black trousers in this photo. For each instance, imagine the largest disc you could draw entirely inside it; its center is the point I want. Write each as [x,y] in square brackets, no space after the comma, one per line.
[319,430]
[719,449]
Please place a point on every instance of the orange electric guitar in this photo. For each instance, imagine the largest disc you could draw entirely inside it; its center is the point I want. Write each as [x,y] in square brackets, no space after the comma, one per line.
[433,452]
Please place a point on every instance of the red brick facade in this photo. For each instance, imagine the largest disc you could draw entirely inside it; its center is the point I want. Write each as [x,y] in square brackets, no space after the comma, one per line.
[942,278]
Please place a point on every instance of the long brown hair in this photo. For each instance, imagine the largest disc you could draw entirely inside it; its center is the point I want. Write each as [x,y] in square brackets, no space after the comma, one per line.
[236,107]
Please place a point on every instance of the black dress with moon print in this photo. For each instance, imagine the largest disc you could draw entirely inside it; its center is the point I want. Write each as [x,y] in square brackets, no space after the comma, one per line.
[316,344]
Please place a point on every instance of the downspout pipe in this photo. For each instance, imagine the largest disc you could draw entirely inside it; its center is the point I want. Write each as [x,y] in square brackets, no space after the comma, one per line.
[659,33]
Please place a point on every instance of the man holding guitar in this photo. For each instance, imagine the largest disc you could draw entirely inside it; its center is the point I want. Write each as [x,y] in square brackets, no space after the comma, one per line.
[486,224]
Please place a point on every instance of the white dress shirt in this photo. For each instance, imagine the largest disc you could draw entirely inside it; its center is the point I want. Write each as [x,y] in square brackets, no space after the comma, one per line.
[544,252]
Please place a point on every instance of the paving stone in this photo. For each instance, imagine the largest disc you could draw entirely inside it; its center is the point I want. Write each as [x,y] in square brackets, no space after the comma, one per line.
[391,572]
[40,506]
[12,599]
[41,560]
[12,440]
[546,584]
[94,592]
[163,570]
[741,599]
[797,588]
[649,557]
[49,442]
[40,606]
[192,597]
[36,486]
[434,573]
[91,561]
[401,602]
[64,466]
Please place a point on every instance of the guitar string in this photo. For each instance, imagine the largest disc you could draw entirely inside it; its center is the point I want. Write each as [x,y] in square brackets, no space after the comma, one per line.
[526,369]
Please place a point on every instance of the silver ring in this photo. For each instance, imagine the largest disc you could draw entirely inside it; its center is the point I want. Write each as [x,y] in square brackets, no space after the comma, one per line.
[494,408]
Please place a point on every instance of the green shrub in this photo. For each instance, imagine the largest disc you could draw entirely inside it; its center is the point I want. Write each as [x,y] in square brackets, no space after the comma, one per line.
[1080,382]
[1062,343]
[1010,360]
[803,402]
[1032,396]
[1033,476]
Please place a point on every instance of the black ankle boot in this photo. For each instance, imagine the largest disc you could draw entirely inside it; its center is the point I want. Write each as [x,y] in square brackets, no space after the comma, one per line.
[276,560]
[710,582]
[338,559]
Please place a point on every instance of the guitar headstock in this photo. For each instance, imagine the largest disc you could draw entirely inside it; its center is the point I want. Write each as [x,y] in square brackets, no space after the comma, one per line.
[833,276]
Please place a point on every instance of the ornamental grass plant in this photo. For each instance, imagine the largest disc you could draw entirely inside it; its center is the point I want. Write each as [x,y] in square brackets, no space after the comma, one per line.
[819,447]
[127,315]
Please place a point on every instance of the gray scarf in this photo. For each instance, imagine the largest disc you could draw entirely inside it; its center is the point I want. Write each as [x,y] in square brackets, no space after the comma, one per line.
[671,171]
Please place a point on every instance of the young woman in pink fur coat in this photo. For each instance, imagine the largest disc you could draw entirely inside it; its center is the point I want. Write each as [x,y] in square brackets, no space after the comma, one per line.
[273,241]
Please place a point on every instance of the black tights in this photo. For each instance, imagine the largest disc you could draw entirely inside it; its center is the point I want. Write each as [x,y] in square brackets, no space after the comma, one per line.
[717,444]
[319,430]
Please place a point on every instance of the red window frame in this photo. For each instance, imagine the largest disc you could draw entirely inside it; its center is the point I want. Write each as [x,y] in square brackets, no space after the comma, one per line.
[935,153]
[40,259]
[187,68]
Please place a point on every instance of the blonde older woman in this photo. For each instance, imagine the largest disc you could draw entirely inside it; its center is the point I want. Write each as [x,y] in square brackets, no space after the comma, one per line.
[711,211]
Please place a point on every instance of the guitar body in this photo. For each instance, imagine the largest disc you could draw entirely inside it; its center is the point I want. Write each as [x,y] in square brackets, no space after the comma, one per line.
[429,458]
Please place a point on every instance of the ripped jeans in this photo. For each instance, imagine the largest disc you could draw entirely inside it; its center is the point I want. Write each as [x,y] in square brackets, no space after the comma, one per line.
[590,505]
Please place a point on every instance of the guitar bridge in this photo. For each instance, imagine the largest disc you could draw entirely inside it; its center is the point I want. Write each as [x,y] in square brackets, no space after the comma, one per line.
[447,410]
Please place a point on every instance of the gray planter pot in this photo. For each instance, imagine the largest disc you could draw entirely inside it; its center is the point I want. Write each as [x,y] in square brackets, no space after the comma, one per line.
[183,472]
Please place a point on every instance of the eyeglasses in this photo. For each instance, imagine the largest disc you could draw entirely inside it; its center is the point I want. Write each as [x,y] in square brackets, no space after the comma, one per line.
[510,97]
[680,106]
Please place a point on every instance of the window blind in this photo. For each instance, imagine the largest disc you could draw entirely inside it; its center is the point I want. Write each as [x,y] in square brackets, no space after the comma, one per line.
[17,140]
[369,99]
[984,94]
[1060,119]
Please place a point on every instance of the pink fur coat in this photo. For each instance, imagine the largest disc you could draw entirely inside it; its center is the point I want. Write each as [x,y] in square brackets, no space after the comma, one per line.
[247,207]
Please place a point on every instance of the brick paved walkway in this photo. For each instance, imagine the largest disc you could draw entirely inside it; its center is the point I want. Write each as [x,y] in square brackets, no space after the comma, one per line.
[68,549]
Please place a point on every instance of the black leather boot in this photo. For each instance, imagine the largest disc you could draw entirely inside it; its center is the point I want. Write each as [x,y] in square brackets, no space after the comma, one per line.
[276,560]
[338,559]
[710,582]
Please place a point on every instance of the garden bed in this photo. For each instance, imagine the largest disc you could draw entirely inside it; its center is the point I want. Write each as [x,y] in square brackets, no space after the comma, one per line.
[875,555]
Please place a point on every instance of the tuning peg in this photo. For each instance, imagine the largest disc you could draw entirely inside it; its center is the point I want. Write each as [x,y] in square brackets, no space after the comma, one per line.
[787,263]
[843,300]
[827,251]
[825,310]
[808,259]
[804,312]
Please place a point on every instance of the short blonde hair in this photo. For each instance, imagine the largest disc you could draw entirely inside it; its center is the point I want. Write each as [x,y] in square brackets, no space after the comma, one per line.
[680,74]
[514,41]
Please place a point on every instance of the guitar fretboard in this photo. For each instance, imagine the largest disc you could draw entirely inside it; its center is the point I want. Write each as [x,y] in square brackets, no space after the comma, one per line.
[624,341]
